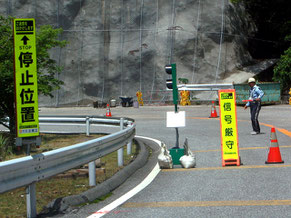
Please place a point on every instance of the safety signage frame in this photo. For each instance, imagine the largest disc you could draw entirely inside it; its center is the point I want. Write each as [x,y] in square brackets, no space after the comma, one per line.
[25,77]
[228,127]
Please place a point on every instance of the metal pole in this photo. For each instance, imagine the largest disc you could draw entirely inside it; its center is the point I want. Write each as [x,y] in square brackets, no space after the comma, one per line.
[30,194]
[177,137]
[175,89]
[87,126]
[175,99]
[92,173]
[120,151]
[31,201]
[28,150]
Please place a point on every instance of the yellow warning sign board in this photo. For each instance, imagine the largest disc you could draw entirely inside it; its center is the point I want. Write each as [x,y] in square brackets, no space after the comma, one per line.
[228,127]
[25,74]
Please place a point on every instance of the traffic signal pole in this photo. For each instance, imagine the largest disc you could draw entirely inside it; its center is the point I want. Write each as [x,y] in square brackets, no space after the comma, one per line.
[175,99]
[171,69]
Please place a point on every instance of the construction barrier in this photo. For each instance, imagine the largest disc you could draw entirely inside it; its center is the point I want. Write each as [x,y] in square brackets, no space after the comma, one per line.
[185,98]
[139,98]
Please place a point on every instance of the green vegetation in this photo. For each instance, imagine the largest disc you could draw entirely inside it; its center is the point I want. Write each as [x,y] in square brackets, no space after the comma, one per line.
[183,80]
[5,149]
[282,71]
[47,68]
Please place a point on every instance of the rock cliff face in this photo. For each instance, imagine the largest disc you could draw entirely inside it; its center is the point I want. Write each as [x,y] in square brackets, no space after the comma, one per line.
[117,47]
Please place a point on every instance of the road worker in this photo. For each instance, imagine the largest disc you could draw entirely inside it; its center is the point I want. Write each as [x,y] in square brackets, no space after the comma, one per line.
[254,103]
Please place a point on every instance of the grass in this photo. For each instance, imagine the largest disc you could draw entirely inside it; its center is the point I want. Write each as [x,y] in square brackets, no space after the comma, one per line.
[13,203]
[5,148]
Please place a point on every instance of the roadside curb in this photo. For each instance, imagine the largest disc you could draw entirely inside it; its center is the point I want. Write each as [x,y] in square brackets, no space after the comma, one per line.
[62,205]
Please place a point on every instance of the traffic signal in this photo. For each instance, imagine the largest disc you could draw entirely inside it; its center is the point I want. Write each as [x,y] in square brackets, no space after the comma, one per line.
[168,69]
[169,82]
[172,83]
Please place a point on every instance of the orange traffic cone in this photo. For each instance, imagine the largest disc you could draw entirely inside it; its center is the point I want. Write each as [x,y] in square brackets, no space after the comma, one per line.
[213,111]
[274,156]
[108,112]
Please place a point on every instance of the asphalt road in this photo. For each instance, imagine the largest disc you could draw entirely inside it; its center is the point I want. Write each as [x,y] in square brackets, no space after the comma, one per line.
[209,190]
[203,133]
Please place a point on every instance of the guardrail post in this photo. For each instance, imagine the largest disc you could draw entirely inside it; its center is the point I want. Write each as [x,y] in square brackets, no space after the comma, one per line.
[87,126]
[129,143]
[129,147]
[31,201]
[92,173]
[120,151]
[91,165]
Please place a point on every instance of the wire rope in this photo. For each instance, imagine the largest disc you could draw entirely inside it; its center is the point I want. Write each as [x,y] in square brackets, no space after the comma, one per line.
[59,58]
[8,11]
[172,31]
[122,47]
[140,44]
[196,42]
[155,59]
[103,74]
[80,62]
[220,41]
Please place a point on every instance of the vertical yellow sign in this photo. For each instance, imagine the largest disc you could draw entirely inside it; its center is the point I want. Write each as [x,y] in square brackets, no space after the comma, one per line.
[228,127]
[25,74]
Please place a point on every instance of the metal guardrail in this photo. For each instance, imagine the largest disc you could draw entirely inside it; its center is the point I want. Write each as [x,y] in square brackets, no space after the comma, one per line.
[43,119]
[28,170]
[23,171]
[204,87]
[84,120]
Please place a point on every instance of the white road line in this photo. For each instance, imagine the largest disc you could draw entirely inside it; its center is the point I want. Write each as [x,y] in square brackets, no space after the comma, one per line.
[132,192]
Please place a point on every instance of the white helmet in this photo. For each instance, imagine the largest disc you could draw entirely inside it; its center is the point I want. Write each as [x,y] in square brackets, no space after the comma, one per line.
[251,80]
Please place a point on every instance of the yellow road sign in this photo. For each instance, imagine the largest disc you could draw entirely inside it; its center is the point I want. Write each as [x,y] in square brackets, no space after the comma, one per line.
[25,74]
[228,127]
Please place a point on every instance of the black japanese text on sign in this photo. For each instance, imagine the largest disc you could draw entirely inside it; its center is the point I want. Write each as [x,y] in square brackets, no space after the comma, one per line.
[25,77]
[228,127]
